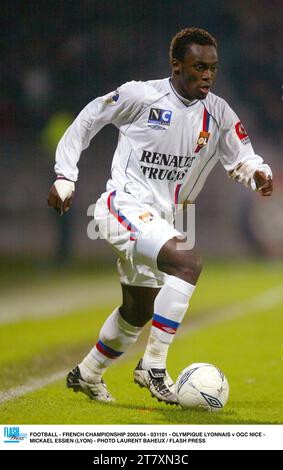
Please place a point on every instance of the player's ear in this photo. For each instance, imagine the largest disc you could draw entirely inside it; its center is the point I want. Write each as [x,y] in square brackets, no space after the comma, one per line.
[175,64]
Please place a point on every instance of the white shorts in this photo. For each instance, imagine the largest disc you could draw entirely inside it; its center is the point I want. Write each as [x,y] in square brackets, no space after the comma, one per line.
[136,232]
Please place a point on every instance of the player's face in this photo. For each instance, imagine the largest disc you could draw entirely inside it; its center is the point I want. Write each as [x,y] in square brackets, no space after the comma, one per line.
[194,76]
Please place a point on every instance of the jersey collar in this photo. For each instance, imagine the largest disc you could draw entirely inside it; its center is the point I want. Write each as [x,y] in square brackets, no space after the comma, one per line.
[180,98]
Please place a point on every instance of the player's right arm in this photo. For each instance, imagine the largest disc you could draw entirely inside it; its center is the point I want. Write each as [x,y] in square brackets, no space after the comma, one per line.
[118,108]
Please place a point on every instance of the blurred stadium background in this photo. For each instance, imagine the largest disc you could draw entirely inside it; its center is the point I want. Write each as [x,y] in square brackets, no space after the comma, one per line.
[57,56]
[56,284]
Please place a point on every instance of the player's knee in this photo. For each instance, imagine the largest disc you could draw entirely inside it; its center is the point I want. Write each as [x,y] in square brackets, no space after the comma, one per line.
[184,264]
[188,269]
[137,307]
[136,316]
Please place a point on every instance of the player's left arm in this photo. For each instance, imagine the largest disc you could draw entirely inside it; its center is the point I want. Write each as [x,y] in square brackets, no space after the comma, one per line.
[238,157]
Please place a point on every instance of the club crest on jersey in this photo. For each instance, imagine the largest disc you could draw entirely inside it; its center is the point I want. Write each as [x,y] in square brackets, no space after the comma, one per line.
[202,140]
[242,133]
[159,118]
[146,216]
[112,97]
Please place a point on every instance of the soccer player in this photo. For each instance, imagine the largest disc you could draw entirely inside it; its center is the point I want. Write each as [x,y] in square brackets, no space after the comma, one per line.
[171,134]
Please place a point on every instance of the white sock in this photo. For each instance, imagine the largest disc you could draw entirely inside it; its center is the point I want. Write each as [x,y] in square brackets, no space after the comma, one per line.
[170,306]
[115,337]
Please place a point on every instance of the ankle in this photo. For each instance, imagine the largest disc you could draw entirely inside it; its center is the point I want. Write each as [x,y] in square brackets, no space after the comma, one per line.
[152,363]
[91,375]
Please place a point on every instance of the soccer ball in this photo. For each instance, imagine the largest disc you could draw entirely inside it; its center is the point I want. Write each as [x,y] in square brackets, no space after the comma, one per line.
[202,386]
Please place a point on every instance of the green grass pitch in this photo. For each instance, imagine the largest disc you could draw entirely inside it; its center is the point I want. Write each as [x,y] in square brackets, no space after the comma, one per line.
[234,321]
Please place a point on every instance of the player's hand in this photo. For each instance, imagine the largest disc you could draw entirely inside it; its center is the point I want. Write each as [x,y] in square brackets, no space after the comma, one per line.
[264,183]
[61,195]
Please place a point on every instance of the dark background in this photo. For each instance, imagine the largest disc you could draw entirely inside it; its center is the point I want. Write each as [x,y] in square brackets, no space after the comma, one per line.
[56,56]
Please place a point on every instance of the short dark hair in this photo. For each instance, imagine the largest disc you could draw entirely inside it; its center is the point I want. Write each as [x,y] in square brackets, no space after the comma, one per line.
[186,37]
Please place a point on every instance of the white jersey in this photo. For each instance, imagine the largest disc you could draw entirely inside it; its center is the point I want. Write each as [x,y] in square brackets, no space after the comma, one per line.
[167,146]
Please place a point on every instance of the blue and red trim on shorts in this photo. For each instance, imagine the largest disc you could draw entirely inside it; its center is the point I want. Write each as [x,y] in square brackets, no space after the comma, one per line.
[122,219]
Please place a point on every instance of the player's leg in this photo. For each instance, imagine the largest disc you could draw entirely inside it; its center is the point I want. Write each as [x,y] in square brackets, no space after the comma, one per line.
[137,306]
[183,268]
[120,330]
[183,264]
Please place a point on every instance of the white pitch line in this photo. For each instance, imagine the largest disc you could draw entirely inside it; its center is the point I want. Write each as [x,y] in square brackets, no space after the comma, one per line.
[31,386]
[256,304]
[25,304]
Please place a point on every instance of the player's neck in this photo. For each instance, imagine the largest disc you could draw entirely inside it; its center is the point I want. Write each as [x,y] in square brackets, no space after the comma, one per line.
[178,91]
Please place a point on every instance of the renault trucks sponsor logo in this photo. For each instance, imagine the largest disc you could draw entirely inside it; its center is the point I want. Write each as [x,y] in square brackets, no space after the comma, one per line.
[12,434]
[162,166]
[159,118]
